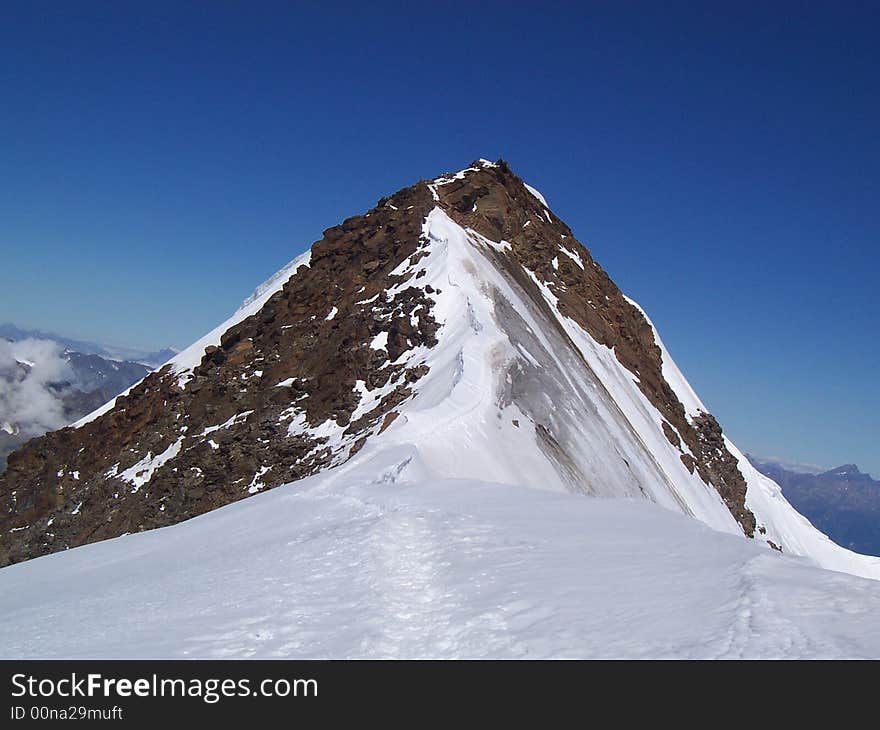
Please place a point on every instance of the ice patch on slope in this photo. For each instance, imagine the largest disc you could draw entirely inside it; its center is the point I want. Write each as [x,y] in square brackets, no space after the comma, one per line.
[537,194]
[380,341]
[237,418]
[140,473]
[576,257]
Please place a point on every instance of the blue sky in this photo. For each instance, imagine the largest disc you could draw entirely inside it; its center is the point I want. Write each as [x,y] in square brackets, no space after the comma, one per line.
[720,161]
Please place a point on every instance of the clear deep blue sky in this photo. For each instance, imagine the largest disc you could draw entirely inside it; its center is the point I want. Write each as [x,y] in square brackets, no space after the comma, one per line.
[158,161]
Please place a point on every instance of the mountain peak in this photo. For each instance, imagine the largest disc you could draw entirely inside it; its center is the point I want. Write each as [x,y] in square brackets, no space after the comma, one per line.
[845,469]
[848,471]
[456,330]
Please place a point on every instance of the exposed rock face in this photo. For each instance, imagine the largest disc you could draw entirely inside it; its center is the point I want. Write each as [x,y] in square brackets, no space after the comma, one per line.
[279,396]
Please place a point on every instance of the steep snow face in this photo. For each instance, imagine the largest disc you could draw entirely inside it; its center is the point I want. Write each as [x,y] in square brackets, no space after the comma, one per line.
[518,394]
[360,562]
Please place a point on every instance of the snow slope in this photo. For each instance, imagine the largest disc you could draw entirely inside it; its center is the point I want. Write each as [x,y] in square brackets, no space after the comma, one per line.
[355,563]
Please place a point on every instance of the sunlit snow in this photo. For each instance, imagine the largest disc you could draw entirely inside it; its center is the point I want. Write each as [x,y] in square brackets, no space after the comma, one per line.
[369,563]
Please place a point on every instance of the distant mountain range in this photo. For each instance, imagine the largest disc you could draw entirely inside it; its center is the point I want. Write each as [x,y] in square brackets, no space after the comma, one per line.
[843,502]
[108,352]
[45,386]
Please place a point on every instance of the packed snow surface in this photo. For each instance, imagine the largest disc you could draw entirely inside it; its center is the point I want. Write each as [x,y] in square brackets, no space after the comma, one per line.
[360,563]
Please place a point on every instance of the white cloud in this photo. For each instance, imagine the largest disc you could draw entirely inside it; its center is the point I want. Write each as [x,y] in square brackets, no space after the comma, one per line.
[33,377]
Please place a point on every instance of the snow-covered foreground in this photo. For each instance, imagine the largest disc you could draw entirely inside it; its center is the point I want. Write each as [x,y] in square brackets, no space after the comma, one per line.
[340,565]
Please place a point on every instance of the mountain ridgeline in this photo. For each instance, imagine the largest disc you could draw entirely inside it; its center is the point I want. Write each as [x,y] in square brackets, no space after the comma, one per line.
[459,322]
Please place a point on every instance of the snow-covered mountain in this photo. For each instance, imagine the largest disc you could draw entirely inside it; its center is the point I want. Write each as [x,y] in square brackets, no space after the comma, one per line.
[404,381]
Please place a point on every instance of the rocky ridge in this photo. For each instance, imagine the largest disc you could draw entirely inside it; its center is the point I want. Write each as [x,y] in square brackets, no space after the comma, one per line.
[283,393]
